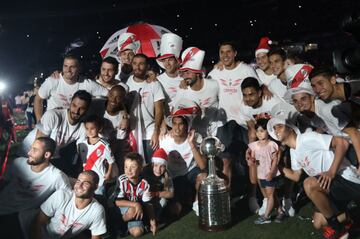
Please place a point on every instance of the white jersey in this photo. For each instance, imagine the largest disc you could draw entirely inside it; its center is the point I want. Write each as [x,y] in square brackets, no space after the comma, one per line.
[230,94]
[28,189]
[96,157]
[58,93]
[208,100]
[111,126]
[313,154]
[133,192]
[149,94]
[264,111]
[118,82]
[67,221]
[276,87]
[264,78]
[170,86]
[180,157]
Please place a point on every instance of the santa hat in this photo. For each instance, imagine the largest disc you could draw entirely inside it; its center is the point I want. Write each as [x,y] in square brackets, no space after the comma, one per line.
[279,120]
[263,46]
[170,46]
[192,59]
[160,156]
[297,77]
[185,108]
[128,41]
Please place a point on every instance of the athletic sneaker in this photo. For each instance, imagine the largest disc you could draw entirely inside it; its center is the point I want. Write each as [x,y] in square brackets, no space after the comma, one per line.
[253,205]
[195,207]
[262,220]
[263,207]
[330,233]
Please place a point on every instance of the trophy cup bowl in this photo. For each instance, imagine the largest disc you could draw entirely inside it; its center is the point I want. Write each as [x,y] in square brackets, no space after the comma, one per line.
[214,197]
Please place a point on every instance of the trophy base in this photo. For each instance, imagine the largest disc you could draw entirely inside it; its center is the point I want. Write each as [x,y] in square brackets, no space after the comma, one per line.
[217,228]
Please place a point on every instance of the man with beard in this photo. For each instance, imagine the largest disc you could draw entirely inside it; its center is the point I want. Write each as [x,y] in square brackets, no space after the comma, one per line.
[146,110]
[67,214]
[108,70]
[64,126]
[27,183]
[58,91]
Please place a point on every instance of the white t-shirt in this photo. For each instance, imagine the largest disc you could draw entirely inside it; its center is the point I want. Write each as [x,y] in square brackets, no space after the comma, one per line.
[111,126]
[230,94]
[149,93]
[276,87]
[118,82]
[180,157]
[55,123]
[96,156]
[65,216]
[314,156]
[28,189]
[208,100]
[264,111]
[59,93]
[323,110]
[170,86]
[263,77]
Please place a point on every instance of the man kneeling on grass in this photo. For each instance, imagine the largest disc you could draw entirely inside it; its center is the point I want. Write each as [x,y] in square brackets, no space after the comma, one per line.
[332,181]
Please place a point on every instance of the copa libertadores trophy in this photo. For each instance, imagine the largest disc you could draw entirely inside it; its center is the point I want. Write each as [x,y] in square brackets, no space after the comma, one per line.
[214,197]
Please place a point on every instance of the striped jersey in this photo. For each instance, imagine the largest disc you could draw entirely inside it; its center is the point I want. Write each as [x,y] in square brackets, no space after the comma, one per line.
[133,192]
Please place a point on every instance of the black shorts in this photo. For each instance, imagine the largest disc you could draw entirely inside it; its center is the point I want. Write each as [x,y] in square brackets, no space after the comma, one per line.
[343,191]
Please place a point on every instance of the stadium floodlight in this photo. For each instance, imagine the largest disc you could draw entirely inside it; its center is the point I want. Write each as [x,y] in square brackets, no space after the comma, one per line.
[2,86]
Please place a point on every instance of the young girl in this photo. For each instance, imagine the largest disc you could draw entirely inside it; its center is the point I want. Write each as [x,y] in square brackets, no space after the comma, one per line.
[161,185]
[264,153]
[96,154]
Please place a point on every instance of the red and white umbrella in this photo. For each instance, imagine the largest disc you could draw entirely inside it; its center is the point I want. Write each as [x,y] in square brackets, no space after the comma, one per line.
[147,35]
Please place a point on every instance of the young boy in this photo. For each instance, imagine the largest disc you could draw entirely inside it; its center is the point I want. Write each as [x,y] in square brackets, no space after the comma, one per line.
[134,195]
[96,154]
[161,184]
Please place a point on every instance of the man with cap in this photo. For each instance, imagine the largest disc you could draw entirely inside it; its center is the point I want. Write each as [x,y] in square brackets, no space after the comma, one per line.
[264,71]
[185,163]
[147,108]
[160,180]
[332,181]
[170,47]
[58,91]
[127,48]
[325,85]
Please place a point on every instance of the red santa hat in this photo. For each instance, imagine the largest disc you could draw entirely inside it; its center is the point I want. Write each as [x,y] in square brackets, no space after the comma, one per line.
[192,60]
[263,46]
[160,156]
[185,108]
[170,46]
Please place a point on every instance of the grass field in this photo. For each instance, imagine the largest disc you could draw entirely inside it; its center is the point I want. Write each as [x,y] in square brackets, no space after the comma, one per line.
[243,225]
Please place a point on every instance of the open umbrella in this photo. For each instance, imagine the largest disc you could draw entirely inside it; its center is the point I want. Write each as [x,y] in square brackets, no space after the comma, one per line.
[147,35]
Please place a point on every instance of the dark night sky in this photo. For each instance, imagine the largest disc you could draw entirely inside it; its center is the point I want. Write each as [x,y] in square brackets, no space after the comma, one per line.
[34,34]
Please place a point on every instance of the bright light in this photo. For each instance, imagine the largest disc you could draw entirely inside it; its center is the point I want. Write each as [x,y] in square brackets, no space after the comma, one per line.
[2,86]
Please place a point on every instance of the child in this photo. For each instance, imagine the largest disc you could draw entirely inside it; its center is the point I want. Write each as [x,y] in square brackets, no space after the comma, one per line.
[161,184]
[264,153]
[96,154]
[134,195]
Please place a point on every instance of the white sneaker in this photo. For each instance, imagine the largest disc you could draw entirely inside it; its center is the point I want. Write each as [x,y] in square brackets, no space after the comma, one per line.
[288,208]
[253,205]
[195,207]
[263,207]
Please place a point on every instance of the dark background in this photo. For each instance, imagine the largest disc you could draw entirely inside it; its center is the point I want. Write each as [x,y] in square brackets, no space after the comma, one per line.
[34,34]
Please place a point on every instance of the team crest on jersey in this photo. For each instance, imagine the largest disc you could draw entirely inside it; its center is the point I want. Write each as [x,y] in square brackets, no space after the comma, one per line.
[98,152]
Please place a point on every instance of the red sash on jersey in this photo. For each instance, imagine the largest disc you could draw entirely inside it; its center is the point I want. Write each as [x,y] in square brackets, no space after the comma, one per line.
[91,160]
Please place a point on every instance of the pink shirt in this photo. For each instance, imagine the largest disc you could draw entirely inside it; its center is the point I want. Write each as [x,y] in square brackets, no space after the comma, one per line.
[262,154]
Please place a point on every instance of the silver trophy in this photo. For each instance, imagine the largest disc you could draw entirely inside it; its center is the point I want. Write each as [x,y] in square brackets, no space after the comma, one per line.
[214,197]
